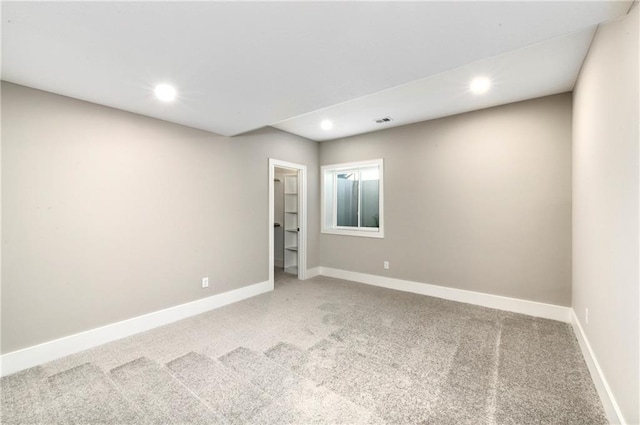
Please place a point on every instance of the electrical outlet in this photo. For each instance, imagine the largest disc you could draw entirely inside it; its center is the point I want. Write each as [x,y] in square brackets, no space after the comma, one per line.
[386,265]
[205,282]
[586,316]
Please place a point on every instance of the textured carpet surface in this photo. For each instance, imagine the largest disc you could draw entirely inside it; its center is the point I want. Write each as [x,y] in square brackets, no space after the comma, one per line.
[315,352]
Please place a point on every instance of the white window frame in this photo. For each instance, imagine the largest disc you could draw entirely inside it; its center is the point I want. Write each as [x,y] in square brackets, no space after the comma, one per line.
[328,218]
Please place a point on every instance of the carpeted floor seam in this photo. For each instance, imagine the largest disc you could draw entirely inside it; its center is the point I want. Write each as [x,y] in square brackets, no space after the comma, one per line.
[491,413]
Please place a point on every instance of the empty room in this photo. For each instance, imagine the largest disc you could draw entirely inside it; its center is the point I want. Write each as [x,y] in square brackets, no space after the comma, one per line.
[320,212]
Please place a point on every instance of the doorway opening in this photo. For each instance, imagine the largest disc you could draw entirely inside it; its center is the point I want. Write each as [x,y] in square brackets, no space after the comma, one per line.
[287,218]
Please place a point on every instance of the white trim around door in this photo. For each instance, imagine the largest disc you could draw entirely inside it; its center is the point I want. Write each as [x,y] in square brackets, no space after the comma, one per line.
[302,214]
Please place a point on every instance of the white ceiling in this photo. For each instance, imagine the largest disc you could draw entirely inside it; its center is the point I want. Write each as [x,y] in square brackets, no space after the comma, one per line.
[239,66]
[542,69]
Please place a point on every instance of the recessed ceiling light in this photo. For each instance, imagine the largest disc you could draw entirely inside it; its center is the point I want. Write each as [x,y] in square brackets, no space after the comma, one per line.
[165,92]
[326,125]
[480,85]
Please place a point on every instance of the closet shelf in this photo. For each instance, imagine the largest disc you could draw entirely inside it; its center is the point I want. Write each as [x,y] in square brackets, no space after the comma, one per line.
[291,224]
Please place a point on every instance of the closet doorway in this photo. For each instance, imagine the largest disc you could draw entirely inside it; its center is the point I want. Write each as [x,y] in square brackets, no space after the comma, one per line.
[287,218]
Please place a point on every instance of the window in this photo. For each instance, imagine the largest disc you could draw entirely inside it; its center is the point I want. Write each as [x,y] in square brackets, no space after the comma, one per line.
[352,201]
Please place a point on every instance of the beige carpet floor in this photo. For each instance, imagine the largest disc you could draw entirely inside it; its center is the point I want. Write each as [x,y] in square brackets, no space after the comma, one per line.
[320,351]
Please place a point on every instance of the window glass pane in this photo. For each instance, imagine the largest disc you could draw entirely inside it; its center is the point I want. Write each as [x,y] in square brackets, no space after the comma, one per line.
[370,197]
[347,199]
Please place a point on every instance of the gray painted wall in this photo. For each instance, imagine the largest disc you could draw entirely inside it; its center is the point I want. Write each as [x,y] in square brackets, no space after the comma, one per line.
[107,215]
[479,201]
[605,206]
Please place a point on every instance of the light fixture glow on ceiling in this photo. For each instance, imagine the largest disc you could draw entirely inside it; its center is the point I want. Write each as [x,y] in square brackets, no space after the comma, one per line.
[480,85]
[165,92]
[326,125]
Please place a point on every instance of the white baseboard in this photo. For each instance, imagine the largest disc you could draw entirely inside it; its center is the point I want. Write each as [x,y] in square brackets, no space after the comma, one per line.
[278,262]
[531,308]
[313,272]
[614,415]
[48,351]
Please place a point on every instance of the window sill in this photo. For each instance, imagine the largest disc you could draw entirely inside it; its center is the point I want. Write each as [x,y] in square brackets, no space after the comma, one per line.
[360,233]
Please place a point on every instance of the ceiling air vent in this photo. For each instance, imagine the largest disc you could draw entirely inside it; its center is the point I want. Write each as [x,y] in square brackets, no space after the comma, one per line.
[383,120]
